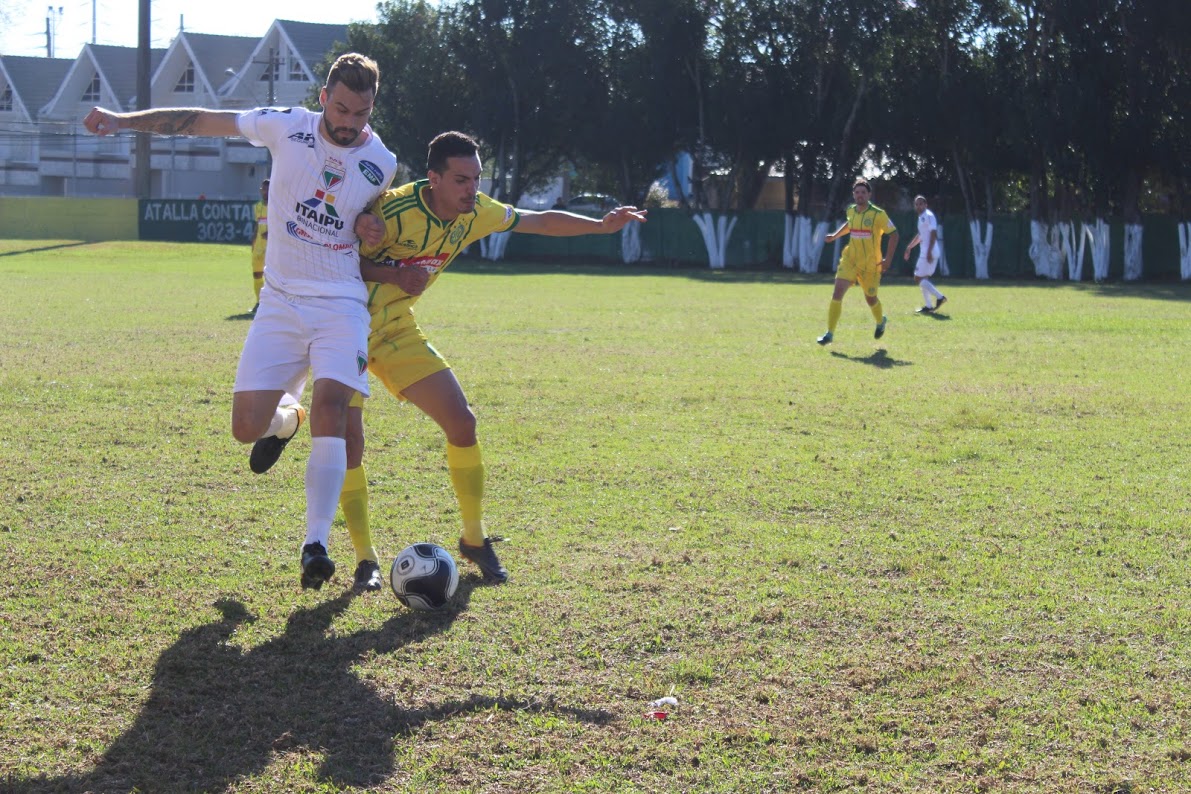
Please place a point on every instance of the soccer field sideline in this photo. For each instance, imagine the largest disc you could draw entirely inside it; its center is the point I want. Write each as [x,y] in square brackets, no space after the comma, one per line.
[951,560]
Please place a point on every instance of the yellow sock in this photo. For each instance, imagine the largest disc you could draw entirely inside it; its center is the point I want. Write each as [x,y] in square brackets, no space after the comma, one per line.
[258,281]
[834,310]
[877,311]
[354,501]
[467,475]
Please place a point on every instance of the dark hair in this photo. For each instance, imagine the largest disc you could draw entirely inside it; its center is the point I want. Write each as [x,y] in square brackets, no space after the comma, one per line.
[357,72]
[861,181]
[449,144]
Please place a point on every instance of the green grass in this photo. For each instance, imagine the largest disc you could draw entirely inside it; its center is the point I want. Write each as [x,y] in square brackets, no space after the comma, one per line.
[955,560]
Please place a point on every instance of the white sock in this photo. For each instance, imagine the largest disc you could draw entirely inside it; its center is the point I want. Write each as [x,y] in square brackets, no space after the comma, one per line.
[927,287]
[924,285]
[325,469]
[284,423]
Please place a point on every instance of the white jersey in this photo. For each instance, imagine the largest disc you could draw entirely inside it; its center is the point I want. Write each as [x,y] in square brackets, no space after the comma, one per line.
[927,224]
[316,190]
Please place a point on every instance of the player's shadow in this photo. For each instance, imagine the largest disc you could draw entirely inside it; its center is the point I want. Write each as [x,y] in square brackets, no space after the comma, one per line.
[879,358]
[248,315]
[217,714]
[937,316]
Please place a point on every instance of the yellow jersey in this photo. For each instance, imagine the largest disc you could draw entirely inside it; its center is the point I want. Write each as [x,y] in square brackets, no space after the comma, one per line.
[865,230]
[416,237]
[260,214]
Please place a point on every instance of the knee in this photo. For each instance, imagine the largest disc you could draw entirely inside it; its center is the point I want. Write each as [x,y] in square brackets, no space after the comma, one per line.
[461,430]
[244,430]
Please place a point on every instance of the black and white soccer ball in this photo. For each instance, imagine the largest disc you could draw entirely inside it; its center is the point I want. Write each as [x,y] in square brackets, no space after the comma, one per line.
[424,576]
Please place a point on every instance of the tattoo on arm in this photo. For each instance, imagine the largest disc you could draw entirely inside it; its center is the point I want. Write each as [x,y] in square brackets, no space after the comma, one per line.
[168,122]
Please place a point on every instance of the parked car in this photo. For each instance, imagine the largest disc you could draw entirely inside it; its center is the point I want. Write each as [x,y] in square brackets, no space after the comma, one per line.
[592,203]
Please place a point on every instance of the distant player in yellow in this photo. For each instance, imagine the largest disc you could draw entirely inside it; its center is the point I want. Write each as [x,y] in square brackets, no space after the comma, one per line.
[412,234]
[862,260]
[260,235]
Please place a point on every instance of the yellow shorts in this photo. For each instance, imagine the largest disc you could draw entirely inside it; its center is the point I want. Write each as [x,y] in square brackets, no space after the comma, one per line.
[867,274]
[400,355]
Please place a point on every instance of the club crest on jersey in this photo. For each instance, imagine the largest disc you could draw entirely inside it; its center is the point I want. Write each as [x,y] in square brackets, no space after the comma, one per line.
[320,209]
[361,361]
[457,233]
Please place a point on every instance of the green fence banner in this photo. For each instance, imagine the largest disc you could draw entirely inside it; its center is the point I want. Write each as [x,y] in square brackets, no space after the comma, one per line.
[195,220]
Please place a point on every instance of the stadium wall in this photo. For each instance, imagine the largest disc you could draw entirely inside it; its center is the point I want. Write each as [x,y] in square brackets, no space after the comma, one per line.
[46,218]
[670,238]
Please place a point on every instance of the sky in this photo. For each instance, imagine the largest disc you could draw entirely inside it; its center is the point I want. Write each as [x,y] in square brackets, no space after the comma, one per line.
[23,22]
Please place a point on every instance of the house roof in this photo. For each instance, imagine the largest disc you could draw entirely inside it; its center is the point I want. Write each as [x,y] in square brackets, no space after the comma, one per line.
[312,41]
[213,55]
[34,80]
[117,67]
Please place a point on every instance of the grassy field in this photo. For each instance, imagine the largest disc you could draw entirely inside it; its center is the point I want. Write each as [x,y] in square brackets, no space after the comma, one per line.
[954,560]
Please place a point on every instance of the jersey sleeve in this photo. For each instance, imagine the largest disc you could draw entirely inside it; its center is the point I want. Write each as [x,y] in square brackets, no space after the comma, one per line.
[492,216]
[262,126]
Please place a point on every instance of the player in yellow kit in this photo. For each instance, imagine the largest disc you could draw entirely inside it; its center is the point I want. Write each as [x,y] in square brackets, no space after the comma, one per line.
[862,260]
[412,234]
[260,235]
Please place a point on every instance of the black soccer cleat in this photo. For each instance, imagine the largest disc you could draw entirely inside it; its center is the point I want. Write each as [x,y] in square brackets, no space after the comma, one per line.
[924,310]
[486,560]
[317,567]
[877,334]
[367,577]
[266,451]
[942,299]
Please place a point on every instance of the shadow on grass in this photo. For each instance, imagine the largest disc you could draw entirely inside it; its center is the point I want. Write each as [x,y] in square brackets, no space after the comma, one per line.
[879,359]
[41,248]
[248,315]
[217,714]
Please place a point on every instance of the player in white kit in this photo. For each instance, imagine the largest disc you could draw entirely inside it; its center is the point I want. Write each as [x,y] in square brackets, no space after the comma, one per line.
[327,168]
[930,251]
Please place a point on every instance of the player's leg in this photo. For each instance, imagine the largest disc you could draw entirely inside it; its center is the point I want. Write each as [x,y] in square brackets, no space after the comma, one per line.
[340,332]
[836,307]
[258,277]
[870,282]
[354,501]
[923,270]
[441,398]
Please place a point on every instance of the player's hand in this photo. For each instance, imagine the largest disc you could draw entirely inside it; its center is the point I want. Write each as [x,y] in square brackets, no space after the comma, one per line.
[906,255]
[101,122]
[370,229]
[620,217]
[412,280]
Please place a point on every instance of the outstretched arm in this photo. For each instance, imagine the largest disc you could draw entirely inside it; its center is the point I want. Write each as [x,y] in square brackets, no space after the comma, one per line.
[559,223]
[838,233]
[165,121]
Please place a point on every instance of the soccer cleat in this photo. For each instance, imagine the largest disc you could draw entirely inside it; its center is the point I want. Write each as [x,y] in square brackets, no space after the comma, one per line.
[942,299]
[367,576]
[924,310]
[267,450]
[317,567]
[877,334]
[825,339]
[485,559]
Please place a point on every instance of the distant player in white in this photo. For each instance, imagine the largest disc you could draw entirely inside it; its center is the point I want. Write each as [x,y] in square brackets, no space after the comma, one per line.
[928,255]
[327,168]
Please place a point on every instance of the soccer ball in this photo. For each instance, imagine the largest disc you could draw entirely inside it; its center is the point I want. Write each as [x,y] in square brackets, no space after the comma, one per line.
[424,576]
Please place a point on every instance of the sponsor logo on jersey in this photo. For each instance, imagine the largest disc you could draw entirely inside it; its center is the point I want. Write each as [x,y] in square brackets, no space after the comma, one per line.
[320,208]
[862,234]
[303,137]
[431,264]
[296,231]
[372,172]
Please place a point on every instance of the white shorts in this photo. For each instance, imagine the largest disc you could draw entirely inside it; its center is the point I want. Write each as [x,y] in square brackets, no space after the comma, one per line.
[922,268]
[292,334]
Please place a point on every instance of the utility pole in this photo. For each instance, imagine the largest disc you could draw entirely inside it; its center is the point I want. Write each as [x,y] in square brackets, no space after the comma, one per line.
[143,101]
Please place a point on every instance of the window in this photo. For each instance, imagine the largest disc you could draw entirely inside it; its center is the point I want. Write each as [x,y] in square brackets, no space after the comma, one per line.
[296,73]
[92,92]
[186,81]
[6,98]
